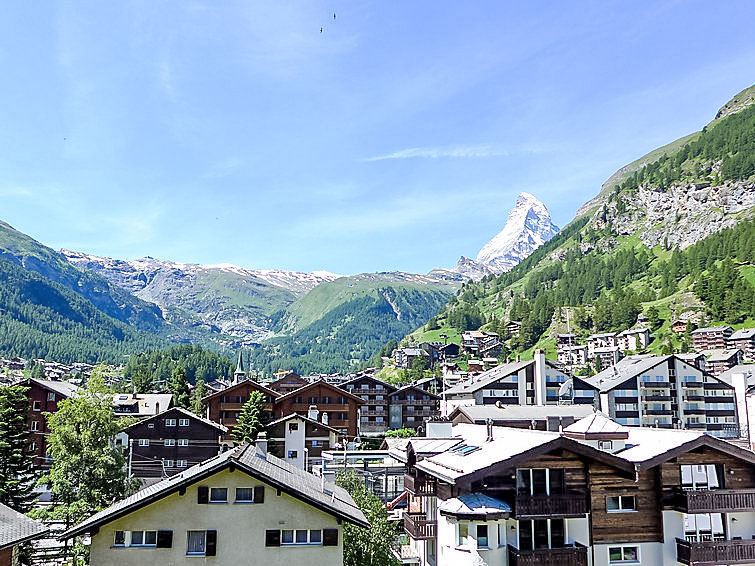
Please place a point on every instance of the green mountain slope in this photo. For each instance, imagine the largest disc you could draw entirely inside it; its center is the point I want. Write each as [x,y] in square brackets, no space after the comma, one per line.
[670,235]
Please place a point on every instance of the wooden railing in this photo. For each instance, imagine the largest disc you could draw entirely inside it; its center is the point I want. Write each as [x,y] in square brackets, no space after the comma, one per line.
[573,505]
[715,500]
[421,485]
[566,556]
[715,552]
[418,526]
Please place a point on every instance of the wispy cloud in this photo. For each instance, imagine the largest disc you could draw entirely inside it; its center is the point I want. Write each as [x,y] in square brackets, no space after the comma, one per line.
[458,151]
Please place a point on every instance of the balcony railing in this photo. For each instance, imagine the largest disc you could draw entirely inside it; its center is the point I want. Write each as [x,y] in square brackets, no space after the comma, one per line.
[418,526]
[566,556]
[529,506]
[715,500]
[419,485]
[715,552]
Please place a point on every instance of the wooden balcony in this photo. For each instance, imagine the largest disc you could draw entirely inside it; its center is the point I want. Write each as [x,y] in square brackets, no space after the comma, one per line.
[566,556]
[715,500]
[534,506]
[420,485]
[715,552]
[418,526]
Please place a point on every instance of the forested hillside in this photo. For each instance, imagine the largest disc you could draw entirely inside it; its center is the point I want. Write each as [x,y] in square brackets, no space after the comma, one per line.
[197,362]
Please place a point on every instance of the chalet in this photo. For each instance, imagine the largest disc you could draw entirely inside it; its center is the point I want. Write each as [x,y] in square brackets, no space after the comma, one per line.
[513,328]
[598,493]
[44,396]
[475,366]
[375,394]
[566,340]
[403,357]
[680,326]
[711,338]
[243,505]
[695,359]
[432,384]
[743,339]
[167,443]
[661,392]
[336,407]
[718,361]
[550,417]
[449,351]
[140,405]
[482,344]
[301,440]
[15,530]
[291,381]
[637,339]
[224,406]
[411,406]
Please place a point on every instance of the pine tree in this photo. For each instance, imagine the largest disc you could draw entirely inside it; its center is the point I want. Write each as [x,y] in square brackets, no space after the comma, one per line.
[252,419]
[179,387]
[16,471]
[199,393]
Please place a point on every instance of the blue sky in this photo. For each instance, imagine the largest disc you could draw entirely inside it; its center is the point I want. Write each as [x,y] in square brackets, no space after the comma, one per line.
[396,139]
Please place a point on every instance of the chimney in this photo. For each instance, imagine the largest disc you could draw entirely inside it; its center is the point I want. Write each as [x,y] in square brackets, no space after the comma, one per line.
[262,443]
[439,427]
[157,408]
[540,388]
[518,358]
[325,418]
[313,412]
[489,424]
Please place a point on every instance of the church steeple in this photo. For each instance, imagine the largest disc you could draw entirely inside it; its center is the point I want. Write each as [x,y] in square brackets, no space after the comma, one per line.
[240,373]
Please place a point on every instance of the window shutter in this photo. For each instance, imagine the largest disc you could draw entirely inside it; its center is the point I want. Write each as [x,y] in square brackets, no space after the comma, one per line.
[330,537]
[164,539]
[259,494]
[272,538]
[211,548]
[203,494]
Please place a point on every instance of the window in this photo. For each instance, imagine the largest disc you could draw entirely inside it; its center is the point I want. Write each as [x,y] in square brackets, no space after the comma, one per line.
[143,538]
[33,446]
[623,555]
[170,422]
[120,538]
[169,442]
[37,406]
[34,425]
[300,537]
[287,537]
[293,426]
[542,533]
[168,463]
[482,536]
[463,533]
[702,476]
[315,443]
[293,454]
[183,422]
[196,543]
[181,463]
[183,441]
[605,444]
[218,495]
[150,425]
[250,494]
[621,503]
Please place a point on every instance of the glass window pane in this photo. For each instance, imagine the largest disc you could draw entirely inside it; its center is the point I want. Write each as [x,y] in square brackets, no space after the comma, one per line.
[218,494]
[524,485]
[482,535]
[538,482]
[315,536]
[120,538]
[614,554]
[558,533]
[244,494]
[630,553]
[628,502]
[463,533]
[137,537]
[301,537]
[612,503]
[541,533]
[150,537]
[287,537]
[196,542]
[556,480]
[525,535]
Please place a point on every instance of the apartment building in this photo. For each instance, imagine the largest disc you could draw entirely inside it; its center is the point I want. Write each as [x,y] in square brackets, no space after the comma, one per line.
[374,415]
[410,406]
[634,339]
[242,505]
[597,494]
[719,361]
[743,339]
[482,344]
[224,406]
[572,355]
[301,440]
[44,396]
[15,530]
[711,338]
[601,341]
[662,392]
[337,407]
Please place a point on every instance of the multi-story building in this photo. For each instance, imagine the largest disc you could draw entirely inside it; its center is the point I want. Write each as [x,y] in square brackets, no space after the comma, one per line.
[719,361]
[243,506]
[403,357]
[482,344]
[140,405]
[597,494]
[224,406]
[44,396]
[563,340]
[572,355]
[606,357]
[301,440]
[544,417]
[15,530]
[743,339]
[529,382]
[711,338]
[336,407]
[410,406]
[167,443]
[662,392]
[374,415]
[601,341]
[513,328]
[289,382]
[636,339]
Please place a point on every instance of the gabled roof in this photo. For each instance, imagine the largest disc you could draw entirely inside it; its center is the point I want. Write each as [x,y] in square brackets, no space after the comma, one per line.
[416,388]
[16,527]
[485,378]
[385,384]
[291,375]
[146,402]
[748,370]
[267,468]
[720,355]
[185,413]
[595,425]
[305,419]
[624,369]
[61,387]
[743,334]
[475,505]
[322,383]
[712,329]
[255,385]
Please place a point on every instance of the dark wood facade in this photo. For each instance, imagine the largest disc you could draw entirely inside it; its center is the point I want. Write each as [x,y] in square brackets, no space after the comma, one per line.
[411,406]
[288,383]
[43,398]
[224,406]
[376,397]
[341,407]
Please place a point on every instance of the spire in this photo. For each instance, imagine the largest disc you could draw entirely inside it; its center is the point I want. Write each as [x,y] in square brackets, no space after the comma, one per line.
[240,372]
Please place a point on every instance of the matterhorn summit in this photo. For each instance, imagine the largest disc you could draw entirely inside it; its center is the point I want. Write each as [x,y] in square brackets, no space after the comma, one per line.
[529,226]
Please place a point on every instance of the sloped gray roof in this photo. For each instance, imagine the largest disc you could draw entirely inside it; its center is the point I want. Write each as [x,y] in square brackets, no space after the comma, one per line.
[743,334]
[488,377]
[63,387]
[184,412]
[711,329]
[305,419]
[524,412]
[474,504]
[625,369]
[597,423]
[720,355]
[289,479]
[16,527]
[748,370]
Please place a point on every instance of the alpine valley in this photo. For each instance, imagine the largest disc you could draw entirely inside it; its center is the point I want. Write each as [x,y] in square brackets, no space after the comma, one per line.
[670,235]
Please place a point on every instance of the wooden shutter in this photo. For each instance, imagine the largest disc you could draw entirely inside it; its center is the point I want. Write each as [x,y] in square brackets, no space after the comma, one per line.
[272,538]
[330,537]
[211,548]
[164,539]
[259,494]
[203,494]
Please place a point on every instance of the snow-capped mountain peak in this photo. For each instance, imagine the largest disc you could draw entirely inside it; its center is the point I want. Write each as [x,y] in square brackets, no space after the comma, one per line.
[528,227]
